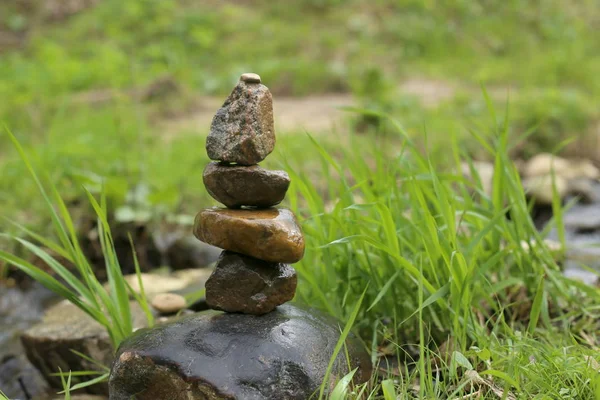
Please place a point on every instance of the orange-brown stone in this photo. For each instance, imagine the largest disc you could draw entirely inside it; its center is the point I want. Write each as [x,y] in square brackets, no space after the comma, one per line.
[271,234]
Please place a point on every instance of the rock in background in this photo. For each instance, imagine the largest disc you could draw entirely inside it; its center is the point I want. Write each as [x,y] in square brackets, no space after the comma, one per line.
[18,310]
[574,180]
[65,327]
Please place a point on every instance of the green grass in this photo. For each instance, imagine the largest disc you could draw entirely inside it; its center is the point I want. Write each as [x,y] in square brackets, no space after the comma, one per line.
[452,294]
[445,266]
[545,50]
[66,383]
[74,279]
[363,47]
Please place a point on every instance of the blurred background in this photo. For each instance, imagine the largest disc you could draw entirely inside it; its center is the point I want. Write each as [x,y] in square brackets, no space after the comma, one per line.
[124,88]
[121,93]
[118,96]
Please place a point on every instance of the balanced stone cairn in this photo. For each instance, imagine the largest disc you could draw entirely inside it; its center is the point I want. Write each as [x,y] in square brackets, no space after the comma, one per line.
[252,275]
[254,350]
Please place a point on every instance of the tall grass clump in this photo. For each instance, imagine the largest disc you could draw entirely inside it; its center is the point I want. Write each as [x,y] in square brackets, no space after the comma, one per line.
[76,281]
[455,274]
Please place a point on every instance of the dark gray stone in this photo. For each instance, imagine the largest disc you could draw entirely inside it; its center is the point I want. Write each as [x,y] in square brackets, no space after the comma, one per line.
[253,186]
[242,130]
[213,355]
[19,309]
[244,284]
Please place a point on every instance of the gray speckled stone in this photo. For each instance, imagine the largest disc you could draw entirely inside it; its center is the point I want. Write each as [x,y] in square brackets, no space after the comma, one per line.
[244,284]
[242,130]
[213,355]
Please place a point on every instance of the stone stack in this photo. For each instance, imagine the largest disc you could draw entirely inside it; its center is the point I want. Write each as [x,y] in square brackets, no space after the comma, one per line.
[254,350]
[252,275]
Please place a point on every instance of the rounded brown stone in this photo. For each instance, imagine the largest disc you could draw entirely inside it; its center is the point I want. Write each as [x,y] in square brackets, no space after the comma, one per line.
[168,303]
[237,186]
[245,284]
[242,130]
[271,234]
[250,77]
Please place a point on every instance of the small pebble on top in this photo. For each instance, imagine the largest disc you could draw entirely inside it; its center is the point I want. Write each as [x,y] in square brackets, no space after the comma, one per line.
[250,77]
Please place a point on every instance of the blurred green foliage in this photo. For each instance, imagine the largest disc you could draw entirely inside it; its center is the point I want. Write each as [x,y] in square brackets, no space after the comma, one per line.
[541,55]
[544,51]
[299,47]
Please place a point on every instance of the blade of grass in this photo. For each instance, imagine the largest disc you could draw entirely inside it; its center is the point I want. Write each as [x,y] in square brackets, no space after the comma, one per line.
[102,378]
[66,384]
[536,307]
[340,392]
[341,342]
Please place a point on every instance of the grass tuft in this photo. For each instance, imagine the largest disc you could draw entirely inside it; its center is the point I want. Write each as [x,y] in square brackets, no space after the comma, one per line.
[77,283]
[446,268]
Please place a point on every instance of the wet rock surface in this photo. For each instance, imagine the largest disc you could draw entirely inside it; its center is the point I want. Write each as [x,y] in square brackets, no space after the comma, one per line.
[245,284]
[258,348]
[270,234]
[48,343]
[242,130]
[21,310]
[237,186]
[213,355]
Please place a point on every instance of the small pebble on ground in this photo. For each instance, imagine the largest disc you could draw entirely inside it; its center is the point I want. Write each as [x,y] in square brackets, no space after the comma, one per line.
[168,303]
